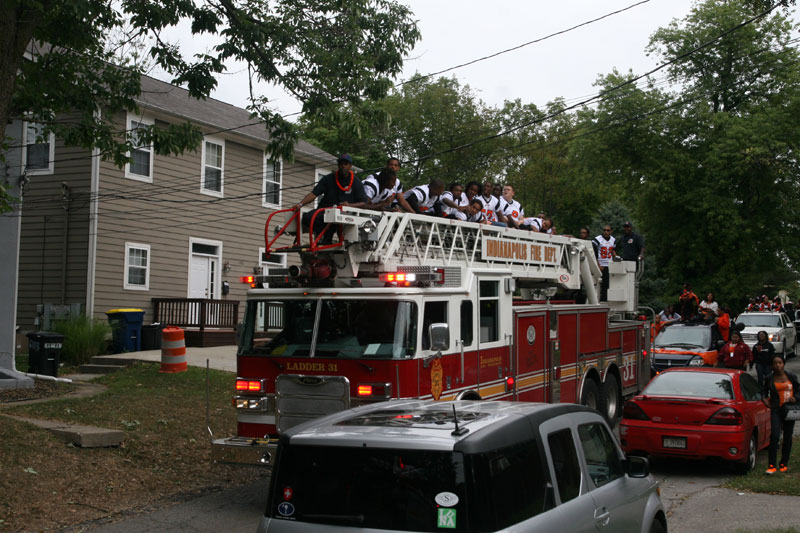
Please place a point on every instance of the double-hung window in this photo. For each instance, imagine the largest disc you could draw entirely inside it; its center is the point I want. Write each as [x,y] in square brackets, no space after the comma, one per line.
[213,166]
[271,191]
[137,266]
[39,150]
[141,165]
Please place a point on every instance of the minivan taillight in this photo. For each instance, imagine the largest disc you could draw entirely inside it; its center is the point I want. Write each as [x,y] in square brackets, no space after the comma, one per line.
[632,411]
[727,416]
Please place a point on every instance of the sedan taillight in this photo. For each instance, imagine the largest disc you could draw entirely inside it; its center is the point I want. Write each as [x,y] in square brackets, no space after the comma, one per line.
[727,416]
[632,411]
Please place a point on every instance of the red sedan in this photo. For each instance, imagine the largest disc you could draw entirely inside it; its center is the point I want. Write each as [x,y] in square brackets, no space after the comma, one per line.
[698,413]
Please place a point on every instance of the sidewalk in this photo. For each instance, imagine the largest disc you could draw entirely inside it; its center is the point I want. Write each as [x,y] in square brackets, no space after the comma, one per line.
[219,357]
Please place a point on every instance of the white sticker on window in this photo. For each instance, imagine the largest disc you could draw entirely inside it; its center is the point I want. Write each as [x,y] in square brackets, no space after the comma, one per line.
[446,499]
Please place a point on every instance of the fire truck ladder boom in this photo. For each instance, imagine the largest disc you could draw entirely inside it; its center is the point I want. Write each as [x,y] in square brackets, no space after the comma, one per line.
[388,241]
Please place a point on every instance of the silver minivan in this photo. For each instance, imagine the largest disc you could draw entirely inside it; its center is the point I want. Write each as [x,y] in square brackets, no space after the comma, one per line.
[460,466]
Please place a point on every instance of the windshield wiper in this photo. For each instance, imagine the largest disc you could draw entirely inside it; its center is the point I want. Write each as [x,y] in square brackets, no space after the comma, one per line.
[679,344]
[343,518]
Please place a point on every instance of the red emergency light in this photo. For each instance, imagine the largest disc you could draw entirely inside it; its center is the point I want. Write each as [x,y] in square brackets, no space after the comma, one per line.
[509,383]
[248,385]
[374,390]
[247,279]
[397,277]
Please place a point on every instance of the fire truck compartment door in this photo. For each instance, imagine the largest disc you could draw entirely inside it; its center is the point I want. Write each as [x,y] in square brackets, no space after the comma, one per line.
[532,360]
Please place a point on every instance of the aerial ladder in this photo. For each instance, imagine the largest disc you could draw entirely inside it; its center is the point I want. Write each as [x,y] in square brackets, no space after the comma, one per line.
[369,243]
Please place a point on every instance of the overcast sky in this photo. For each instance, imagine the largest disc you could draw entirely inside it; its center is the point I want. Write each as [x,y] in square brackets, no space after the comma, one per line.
[458,31]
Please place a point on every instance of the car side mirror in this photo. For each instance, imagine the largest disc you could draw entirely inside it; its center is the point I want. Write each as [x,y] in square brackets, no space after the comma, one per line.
[439,334]
[720,344]
[637,466]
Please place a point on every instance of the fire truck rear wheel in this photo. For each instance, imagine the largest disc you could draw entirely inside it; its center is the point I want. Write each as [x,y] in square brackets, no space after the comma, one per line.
[612,399]
[590,396]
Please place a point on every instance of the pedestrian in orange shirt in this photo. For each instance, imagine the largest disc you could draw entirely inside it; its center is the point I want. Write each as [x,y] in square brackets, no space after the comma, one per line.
[781,388]
[724,323]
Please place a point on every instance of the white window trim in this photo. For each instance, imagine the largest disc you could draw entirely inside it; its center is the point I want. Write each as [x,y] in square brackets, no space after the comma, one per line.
[217,272]
[264,202]
[203,190]
[319,173]
[51,156]
[125,284]
[142,120]
[282,263]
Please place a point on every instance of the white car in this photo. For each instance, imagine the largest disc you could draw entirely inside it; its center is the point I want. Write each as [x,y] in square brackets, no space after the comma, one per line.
[780,330]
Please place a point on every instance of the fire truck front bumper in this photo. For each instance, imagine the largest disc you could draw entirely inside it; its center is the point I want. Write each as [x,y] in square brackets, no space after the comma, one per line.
[244,451]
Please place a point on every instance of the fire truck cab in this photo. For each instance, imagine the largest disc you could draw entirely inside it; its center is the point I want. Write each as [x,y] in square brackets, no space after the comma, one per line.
[413,306]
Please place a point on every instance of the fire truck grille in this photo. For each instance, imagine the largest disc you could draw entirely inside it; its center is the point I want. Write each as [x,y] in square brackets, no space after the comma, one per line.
[301,398]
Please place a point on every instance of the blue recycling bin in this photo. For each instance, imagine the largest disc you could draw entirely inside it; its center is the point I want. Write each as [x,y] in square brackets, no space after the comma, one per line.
[126,328]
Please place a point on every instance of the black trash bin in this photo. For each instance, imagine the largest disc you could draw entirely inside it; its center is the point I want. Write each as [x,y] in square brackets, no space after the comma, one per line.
[151,336]
[44,352]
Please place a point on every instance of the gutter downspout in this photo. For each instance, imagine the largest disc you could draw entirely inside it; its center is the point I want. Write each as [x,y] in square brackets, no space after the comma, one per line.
[66,198]
[94,189]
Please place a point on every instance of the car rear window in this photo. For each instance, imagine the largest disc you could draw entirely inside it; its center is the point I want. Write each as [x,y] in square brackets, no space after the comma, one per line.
[760,321]
[691,384]
[408,490]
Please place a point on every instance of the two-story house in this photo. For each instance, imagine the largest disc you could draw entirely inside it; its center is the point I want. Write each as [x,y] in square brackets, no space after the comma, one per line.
[182,227]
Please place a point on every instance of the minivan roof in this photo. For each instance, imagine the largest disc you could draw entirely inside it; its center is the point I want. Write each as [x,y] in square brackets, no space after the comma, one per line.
[429,425]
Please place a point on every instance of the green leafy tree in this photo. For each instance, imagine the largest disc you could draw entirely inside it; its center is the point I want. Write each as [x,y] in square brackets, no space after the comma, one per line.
[427,123]
[721,207]
[323,52]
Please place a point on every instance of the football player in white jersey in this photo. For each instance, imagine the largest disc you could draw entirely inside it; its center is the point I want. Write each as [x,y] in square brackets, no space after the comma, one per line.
[381,190]
[605,254]
[424,199]
[475,212]
[454,202]
[491,204]
[511,209]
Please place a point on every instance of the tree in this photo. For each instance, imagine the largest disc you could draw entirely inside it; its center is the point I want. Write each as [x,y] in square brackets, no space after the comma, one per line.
[323,52]
[425,123]
[733,166]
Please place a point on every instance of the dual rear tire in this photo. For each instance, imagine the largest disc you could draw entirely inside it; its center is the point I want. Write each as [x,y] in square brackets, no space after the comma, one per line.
[605,398]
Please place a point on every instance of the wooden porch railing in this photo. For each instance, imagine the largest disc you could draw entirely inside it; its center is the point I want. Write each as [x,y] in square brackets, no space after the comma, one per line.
[196,312]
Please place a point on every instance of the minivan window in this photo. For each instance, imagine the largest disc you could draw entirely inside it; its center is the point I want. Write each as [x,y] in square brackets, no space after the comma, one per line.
[407,490]
[565,464]
[602,458]
[508,486]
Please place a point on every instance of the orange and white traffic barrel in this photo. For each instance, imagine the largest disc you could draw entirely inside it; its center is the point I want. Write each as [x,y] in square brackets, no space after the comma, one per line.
[173,350]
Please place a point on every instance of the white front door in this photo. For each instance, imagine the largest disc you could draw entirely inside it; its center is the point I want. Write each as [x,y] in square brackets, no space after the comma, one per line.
[200,276]
[204,279]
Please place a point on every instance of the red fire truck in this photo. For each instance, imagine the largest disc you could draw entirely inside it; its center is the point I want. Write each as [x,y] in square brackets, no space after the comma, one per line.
[413,306]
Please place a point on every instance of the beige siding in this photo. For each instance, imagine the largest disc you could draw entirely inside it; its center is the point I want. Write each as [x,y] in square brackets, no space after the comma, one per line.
[42,235]
[165,214]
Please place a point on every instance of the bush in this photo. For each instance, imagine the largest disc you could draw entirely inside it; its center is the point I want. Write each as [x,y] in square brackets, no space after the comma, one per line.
[84,338]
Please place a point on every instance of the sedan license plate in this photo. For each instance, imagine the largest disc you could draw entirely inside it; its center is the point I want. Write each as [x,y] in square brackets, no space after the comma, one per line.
[674,442]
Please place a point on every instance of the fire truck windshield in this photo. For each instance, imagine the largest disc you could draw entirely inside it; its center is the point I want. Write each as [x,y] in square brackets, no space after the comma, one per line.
[354,328]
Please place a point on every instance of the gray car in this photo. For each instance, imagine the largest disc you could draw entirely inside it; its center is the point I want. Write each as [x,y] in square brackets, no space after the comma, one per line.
[460,466]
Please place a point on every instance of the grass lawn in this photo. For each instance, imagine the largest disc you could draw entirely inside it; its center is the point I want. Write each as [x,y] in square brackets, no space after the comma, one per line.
[47,484]
[778,483]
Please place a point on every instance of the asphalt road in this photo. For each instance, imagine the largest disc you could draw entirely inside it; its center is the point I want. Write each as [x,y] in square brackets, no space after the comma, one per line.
[691,492]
